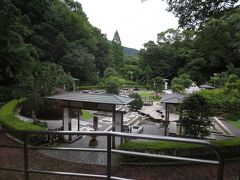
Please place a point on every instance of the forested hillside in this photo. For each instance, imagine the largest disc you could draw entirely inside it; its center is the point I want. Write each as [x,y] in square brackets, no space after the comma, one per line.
[45,44]
[201,48]
[130,51]
[50,31]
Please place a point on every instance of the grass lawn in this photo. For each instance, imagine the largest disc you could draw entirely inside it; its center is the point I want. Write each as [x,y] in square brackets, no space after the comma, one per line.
[86,115]
[148,95]
[145,94]
[8,118]
[236,123]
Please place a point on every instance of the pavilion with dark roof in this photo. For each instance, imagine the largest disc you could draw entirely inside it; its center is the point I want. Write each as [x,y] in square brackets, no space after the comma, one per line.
[170,102]
[98,102]
[174,98]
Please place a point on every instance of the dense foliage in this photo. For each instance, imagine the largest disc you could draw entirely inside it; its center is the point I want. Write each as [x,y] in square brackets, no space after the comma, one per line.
[191,13]
[228,148]
[196,116]
[9,120]
[117,51]
[48,31]
[225,101]
[130,51]
[137,103]
[180,83]
[156,84]
[55,37]
[200,53]
[112,85]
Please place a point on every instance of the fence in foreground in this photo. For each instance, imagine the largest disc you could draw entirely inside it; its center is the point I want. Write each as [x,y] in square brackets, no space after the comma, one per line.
[109,150]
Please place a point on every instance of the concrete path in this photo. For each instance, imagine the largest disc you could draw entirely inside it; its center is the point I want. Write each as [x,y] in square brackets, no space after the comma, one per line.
[105,123]
[232,128]
[152,128]
[97,158]
[152,111]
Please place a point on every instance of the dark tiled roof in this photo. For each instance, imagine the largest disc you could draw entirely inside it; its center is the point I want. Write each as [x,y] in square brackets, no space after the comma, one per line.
[174,98]
[94,98]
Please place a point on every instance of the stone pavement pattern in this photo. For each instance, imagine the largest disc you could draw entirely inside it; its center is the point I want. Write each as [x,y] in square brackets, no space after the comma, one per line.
[99,158]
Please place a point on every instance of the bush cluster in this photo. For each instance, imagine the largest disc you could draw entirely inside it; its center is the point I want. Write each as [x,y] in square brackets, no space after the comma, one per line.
[223,103]
[8,118]
[228,148]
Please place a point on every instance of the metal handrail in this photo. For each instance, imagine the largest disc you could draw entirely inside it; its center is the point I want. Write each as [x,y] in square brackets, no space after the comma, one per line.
[109,150]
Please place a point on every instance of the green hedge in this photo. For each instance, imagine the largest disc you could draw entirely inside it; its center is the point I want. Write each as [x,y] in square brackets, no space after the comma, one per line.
[235,123]
[229,149]
[222,103]
[8,118]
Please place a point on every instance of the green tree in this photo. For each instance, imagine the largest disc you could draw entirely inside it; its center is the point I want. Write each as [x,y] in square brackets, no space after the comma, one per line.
[40,81]
[213,48]
[160,58]
[218,41]
[131,70]
[55,31]
[101,51]
[232,85]
[15,54]
[117,51]
[196,116]
[178,84]
[225,100]
[112,85]
[61,33]
[192,13]
[231,69]
[219,79]
[80,63]
[137,103]
[110,72]
[170,36]
[157,85]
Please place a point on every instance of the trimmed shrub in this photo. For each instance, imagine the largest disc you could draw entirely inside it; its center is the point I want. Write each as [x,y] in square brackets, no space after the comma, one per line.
[8,118]
[223,104]
[229,149]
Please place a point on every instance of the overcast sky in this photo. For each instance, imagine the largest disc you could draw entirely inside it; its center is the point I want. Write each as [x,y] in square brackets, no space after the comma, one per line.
[136,22]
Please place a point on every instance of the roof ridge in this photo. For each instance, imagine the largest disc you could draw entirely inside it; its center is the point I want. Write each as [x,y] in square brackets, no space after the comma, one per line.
[116,96]
[170,98]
